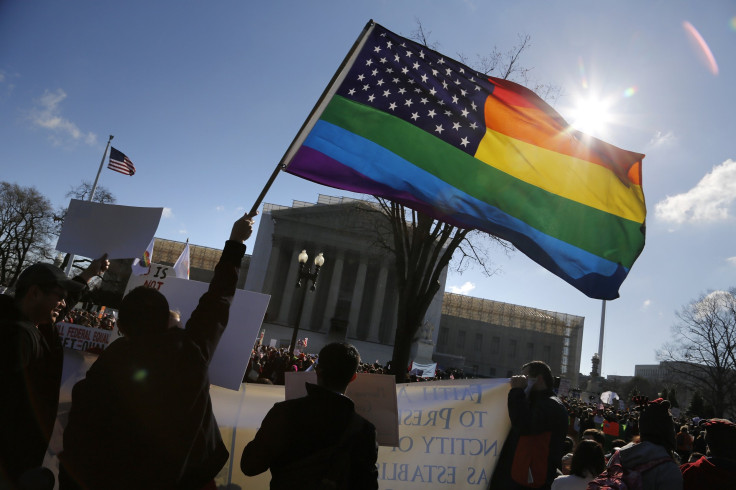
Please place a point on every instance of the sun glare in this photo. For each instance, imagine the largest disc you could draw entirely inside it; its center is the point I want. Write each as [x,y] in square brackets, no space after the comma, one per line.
[591,115]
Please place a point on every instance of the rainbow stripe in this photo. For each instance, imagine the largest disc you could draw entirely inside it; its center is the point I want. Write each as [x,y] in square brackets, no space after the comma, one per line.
[572,203]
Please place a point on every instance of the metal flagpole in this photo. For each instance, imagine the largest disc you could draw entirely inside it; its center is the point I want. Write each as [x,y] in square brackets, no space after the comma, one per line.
[99,170]
[600,339]
[70,264]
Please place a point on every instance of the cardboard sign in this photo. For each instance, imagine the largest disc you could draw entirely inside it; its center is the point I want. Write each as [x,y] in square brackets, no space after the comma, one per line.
[374,396]
[91,229]
[246,316]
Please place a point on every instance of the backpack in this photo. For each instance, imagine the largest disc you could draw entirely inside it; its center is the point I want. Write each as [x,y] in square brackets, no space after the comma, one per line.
[326,469]
[616,477]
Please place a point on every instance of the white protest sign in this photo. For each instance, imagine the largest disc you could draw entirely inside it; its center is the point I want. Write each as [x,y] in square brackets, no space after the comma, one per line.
[246,315]
[91,229]
[374,396]
[80,337]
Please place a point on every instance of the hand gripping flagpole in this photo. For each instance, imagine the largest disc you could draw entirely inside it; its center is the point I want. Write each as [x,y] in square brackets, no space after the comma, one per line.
[70,264]
[317,110]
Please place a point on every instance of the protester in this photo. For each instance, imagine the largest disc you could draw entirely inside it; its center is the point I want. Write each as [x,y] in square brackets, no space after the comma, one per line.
[587,462]
[342,444]
[532,454]
[31,361]
[719,469]
[653,457]
[142,418]
[684,443]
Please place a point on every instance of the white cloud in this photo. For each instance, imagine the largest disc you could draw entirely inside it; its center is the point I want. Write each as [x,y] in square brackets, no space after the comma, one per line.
[661,139]
[168,213]
[183,231]
[709,200]
[219,209]
[47,114]
[731,260]
[464,289]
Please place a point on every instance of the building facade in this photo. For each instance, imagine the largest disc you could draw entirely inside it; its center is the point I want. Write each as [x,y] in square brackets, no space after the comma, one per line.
[495,339]
[355,296]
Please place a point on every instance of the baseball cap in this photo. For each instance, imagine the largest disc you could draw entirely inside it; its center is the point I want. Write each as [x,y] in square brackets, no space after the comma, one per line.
[46,275]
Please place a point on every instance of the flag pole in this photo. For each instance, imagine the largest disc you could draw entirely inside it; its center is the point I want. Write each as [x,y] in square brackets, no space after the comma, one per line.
[600,339]
[317,110]
[99,170]
[70,264]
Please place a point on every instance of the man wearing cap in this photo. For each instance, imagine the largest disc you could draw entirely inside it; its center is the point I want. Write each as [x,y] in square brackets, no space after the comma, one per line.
[718,470]
[31,361]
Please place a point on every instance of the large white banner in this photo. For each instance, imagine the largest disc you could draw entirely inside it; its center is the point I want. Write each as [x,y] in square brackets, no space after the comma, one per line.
[450,432]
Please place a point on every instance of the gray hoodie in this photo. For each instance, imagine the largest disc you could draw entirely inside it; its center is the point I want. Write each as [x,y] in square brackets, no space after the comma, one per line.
[665,476]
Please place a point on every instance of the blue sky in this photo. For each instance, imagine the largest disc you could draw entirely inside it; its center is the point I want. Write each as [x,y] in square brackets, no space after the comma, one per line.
[205,97]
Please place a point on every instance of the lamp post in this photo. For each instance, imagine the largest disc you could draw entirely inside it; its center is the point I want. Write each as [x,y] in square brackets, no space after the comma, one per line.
[305,273]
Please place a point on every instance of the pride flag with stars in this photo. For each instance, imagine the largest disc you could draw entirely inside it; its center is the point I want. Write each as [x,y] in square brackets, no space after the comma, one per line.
[406,123]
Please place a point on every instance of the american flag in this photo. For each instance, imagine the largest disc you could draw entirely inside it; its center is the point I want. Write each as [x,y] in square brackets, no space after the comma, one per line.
[119,162]
[433,92]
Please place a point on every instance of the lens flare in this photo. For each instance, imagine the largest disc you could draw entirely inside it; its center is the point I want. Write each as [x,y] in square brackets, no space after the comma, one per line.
[140,375]
[703,49]
[629,92]
[583,78]
[733,23]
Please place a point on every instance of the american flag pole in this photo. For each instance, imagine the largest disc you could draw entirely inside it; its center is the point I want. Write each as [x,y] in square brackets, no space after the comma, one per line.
[99,171]
[70,263]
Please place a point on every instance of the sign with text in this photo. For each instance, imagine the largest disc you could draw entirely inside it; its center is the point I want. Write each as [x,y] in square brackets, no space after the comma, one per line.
[80,337]
[374,396]
[246,316]
[450,432]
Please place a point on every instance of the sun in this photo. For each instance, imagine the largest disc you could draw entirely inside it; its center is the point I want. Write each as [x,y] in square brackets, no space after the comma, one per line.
[591,115]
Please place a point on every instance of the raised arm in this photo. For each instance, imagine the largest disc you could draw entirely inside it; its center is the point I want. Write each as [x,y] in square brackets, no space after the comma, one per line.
[209,319]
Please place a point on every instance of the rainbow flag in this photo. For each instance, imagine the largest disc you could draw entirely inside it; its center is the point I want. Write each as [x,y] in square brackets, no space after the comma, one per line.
[406,123]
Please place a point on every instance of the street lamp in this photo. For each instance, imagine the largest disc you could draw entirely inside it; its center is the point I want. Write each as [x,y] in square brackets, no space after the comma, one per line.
[305,273]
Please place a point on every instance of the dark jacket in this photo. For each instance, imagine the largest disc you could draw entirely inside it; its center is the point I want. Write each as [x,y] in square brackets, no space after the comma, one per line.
[31,363]
[709,474]
[142,418]
[320,418]
[541,412]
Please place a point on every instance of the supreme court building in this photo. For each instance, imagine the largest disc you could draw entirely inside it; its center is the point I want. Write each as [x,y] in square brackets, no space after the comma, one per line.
[355,299]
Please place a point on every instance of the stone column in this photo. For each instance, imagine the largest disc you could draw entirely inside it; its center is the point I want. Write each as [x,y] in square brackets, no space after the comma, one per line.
[273,263]
[378,303]
[357,300]
[334,290]
[289,288]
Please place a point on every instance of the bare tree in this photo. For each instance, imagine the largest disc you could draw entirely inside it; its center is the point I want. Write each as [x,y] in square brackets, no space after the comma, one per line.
[26,229]
[701,352]
[83,190]
[422,246]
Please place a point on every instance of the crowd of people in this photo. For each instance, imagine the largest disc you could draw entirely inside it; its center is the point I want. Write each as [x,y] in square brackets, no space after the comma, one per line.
[644,446]
[78,316]
[142,417]
[269,365]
